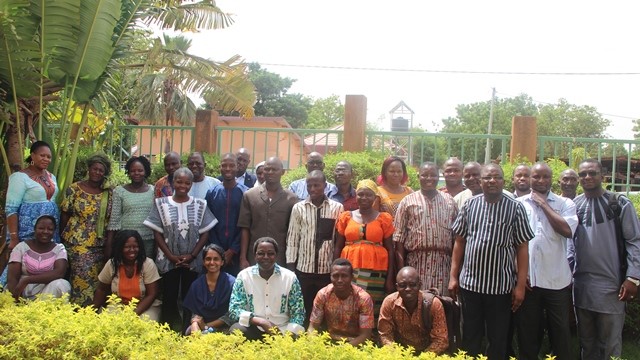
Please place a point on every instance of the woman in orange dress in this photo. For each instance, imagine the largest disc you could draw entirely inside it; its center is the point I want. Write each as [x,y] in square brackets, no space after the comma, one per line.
[364,238]
[391,181]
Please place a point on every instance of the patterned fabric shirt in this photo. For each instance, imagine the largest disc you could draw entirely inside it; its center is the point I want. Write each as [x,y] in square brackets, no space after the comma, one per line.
[278,299]
[163,187]
[311,235]
[343,317]
[349,203]
[423,228]
[299,187]
[397,325]
[492,232]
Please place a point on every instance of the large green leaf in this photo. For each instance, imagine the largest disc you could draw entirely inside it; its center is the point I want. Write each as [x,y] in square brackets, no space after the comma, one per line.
[59,21]
[19,53]
[98,20]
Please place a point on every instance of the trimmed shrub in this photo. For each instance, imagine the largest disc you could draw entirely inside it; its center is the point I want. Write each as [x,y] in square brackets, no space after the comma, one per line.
[53,329]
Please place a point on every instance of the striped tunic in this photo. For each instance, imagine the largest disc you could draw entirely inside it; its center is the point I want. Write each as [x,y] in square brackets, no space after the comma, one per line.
[423,228]
[311,235]
[492,232]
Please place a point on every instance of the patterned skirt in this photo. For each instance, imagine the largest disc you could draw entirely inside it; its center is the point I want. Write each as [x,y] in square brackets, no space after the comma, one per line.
[373,283]
[85,263]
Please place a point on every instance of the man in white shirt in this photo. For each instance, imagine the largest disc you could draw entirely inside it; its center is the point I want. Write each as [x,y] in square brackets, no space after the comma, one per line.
[553,219]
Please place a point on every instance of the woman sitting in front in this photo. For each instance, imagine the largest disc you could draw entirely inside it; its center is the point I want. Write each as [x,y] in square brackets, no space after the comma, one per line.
[208,298]
[130,274]
[38,265]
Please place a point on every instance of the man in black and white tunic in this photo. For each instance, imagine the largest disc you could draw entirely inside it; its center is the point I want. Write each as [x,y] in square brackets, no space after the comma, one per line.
[492,231]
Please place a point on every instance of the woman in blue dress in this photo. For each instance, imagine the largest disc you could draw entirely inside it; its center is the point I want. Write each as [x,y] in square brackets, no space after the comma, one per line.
[207,301]
[31,193]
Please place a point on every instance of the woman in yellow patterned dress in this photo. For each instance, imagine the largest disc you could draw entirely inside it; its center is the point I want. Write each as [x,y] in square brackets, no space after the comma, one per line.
[84,215]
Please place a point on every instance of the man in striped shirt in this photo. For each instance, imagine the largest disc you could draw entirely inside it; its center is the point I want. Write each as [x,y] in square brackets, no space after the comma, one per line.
[311,237]
[492,233]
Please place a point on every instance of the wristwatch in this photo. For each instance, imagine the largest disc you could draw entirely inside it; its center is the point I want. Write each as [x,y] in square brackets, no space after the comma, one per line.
[635,282]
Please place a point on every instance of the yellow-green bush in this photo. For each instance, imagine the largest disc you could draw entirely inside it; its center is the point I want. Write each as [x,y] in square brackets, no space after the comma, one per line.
[52,329]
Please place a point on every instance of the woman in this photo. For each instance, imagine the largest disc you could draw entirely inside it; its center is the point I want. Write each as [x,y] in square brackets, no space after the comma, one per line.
[391,183]
[259,173]
[132,204]
[255,312]
[130,274]
[208,298]
[38,265]
[31,193]
[180,225]
[365,238]
[83,219]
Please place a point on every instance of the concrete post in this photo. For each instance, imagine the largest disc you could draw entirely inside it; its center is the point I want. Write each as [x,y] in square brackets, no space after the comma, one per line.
[355,123]
[206,132]
[524,138]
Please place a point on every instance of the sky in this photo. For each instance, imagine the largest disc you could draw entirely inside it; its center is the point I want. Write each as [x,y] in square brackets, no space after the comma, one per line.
[422,52]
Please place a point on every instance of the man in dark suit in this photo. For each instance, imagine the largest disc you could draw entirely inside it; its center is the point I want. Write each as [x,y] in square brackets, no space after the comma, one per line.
[243,158]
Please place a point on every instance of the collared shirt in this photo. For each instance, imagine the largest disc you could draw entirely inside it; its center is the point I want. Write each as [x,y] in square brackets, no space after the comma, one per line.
[200,189]
[548,265]
[311,235]
[595,252]
[163,187]
[265,216]
[299,187]
[343,317]
[492,232]
[277,299]
[397,325]
[349,203]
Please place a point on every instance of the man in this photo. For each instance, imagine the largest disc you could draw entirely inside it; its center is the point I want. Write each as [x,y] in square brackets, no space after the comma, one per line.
[452,169]
[164,186]
[242,176]
[224,201]
[553,219]
[568,183]
[492,232]
[265,211]
[345,194]
[599,297]
[423,230]
[345,310]
[521,180]
[311,237]
[401,317]
[201,183]
[471,176]
[315,161]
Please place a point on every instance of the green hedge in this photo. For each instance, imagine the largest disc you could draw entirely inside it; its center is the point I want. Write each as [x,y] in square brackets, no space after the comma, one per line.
[52,329]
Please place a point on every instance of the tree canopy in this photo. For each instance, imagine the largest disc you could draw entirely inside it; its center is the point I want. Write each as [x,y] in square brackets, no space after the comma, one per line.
[560,119]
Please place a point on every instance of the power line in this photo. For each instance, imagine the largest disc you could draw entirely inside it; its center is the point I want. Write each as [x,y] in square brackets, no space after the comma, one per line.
[456,71]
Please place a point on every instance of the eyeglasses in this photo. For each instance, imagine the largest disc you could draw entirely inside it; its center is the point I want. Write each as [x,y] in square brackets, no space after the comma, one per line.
[411,285]
[583,174]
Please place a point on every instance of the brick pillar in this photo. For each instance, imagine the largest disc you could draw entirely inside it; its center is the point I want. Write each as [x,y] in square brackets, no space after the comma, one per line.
[524,138]
[206,134]
[355,123]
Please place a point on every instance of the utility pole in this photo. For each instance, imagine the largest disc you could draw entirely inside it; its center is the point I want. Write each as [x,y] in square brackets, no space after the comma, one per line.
[487,150]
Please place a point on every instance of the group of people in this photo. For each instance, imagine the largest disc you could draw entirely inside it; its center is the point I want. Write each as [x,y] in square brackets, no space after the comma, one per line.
[242,252]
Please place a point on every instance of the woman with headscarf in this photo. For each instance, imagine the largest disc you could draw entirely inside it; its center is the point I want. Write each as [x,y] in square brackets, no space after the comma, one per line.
[365,238]
[83,220]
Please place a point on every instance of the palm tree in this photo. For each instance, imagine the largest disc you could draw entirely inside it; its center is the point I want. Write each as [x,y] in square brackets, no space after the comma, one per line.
[70,48]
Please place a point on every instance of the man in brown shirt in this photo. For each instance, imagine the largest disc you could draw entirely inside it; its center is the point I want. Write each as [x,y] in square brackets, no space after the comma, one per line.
[265,211]
[401,317]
